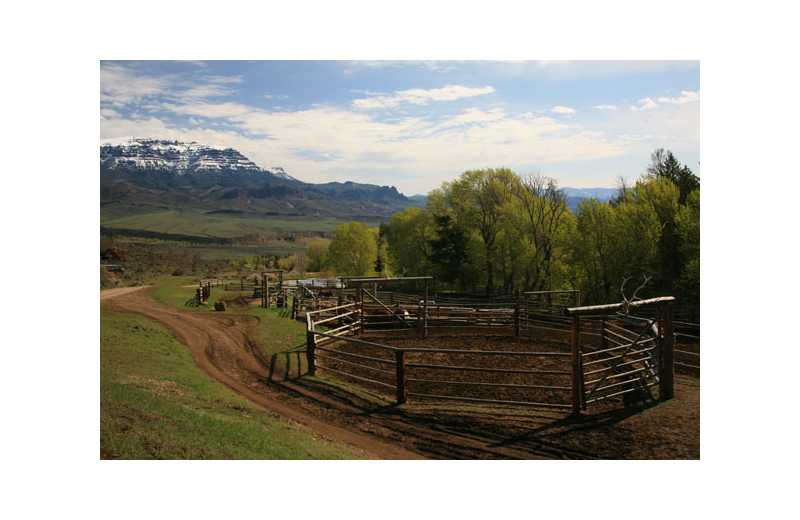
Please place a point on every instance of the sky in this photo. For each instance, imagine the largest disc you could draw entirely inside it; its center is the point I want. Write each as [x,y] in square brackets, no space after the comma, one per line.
[416,124]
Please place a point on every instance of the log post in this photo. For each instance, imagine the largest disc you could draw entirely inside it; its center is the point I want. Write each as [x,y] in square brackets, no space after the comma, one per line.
[666,376]
[311,343]
[361,305]
[603,335]
[577,398]
[400,365]
[425,312]
[516,320]
[419,318]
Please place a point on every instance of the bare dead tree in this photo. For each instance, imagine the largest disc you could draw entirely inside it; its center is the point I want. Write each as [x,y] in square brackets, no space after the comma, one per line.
[626,301]
[622,185]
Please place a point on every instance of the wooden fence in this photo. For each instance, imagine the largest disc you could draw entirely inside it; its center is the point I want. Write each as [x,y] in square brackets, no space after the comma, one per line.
[632,355]
[543,353]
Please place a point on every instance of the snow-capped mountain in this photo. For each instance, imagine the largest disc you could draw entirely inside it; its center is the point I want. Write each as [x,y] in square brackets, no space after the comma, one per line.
[132,154]
[137,173]
[279,172]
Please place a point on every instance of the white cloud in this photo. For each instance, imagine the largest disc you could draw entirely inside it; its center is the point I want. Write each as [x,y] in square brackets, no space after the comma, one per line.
[108,112]
[418,96]
[645,104]
[119,86]
[124,86]
[202,92]
[606,107]
[562,110]
[212,110]
[685,97]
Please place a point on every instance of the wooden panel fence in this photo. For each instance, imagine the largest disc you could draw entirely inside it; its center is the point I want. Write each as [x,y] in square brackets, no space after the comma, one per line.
[546,354]
[641,355]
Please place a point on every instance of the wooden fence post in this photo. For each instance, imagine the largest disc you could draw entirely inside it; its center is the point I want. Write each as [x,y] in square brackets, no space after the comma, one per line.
[577,398]
[361,304]
[419,318]
[516,320]
[400,365]
[311,343]
[603,335]
[264,290]
[666,376]
[425,312]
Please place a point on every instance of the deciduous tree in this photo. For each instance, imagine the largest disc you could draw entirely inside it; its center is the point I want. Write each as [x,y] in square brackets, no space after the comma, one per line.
[353,250]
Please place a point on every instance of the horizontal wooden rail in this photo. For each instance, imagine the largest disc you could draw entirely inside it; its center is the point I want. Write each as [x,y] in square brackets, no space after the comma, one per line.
[611,358]
[321,356]
[470,383]
[358,356]
[492,401]
[328,309]
[321,367]
[614,307]
[335,317]
[497,370]
[488,352]
[360,341]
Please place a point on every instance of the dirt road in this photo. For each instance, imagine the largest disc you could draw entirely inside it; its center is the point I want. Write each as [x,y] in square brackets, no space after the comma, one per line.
[222,346]
[107,294]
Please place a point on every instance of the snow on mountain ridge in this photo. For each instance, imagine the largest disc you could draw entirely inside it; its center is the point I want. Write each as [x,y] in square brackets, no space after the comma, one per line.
[163,155]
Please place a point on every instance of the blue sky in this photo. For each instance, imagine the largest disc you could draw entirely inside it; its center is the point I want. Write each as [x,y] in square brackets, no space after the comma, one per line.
[415,124]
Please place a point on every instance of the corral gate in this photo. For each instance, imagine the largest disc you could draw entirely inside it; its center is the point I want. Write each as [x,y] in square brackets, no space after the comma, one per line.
[629,360]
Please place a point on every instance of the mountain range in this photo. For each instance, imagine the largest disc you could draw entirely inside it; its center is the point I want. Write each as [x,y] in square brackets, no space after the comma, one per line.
[148,171]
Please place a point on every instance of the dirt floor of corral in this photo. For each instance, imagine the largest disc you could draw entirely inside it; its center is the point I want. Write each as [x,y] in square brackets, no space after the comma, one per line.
[223,346]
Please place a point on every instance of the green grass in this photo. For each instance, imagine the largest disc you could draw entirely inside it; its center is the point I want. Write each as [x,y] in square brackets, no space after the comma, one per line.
[169,290]
[156,404]
[191,221]
[283,340]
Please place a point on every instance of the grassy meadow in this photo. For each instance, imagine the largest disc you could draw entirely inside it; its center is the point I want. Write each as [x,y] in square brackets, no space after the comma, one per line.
[192,221]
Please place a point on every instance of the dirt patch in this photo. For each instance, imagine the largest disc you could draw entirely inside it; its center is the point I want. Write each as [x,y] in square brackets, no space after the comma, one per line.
[107,294]
[222,346]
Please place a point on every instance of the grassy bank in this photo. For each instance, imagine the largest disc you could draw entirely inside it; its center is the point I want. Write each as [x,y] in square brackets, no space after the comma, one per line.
[156,404]
[280,337]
